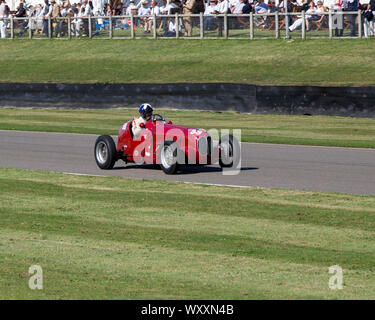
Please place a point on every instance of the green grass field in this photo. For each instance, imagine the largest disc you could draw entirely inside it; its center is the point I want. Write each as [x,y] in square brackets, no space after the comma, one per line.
[103,237]
[308,130]
[277,62]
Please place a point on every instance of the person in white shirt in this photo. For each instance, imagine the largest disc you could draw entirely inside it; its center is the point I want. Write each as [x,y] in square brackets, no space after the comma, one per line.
[138,124]
[313,13]
[98,5]
[233,3]
[130,8]
[145,11]
[164,7]
[173,7]
[164,21]
[237,8]
[77,22]
[209,22]
[155,10]
[3,19]
[222,7]
[85,12]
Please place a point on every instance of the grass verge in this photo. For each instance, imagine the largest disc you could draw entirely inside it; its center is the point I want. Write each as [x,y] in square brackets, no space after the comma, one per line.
[324,62]
[104,237]
[307,130]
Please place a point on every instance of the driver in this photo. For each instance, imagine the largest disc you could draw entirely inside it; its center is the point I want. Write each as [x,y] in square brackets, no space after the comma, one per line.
[145,111]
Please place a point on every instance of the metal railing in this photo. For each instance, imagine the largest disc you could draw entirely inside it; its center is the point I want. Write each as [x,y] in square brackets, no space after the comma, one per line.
[196,26]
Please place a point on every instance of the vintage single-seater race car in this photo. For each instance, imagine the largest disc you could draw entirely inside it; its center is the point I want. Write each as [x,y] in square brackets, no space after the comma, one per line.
[168,145]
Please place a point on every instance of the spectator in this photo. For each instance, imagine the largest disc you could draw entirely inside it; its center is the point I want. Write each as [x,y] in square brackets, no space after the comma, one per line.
[21,13]
[85,12]
[368,21]
[261,7]
[47,13]
[232,4]
[118,9]
[222,7]
[155,9]
[237,7]
[272,7]
[77,22]
[108,10]
[188,8]
[38,16]
[174,7]
[352,6]
[164,21]
[164,7]
[337,19]
[130,7]
[4,13]
[56,14]
[210,20]
[312,14]
[145,11]
[246,9]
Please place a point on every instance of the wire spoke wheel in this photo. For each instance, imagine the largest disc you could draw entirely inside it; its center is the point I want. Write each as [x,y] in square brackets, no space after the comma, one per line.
[168,157]
[105,152]
[101,152]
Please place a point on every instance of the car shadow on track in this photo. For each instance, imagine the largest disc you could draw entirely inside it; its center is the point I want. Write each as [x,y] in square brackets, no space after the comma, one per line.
[201,169]
[183,169]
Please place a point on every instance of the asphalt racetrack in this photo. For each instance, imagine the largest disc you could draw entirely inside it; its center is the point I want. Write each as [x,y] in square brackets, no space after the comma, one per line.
[346,170]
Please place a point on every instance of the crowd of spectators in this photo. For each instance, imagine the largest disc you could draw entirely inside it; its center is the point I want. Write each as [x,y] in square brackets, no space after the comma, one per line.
[52,12]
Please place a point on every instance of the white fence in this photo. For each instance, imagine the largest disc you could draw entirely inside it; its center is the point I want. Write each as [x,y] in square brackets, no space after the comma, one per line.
[198,26]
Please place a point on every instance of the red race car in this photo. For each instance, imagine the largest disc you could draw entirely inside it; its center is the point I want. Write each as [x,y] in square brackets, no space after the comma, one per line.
[168,145]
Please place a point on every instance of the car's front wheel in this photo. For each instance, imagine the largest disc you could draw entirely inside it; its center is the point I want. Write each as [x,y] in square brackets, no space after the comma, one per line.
[168,157]
[105,152]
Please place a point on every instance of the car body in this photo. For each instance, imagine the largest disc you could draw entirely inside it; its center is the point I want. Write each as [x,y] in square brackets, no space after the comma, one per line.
[161,143]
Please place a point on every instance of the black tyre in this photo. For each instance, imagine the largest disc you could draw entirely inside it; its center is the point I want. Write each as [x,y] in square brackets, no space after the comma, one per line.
[168,157]
[105,152]
[229,151]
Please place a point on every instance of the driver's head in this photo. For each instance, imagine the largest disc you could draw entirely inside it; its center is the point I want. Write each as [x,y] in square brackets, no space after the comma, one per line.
[145,110]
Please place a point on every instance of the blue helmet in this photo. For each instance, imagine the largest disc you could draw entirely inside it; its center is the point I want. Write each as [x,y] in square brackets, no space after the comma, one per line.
[145,109]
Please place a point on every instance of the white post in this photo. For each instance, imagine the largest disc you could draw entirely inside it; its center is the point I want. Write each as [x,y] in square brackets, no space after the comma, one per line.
[251,25]
[201,29]
[154,25]
[330,24]
[286,20]
[69,28]
[277,31]
[177,26]
[111,27]
[132,27]
[30,29]
[226,25]
[90,31]
[11,27]
[49,28]
[303,25]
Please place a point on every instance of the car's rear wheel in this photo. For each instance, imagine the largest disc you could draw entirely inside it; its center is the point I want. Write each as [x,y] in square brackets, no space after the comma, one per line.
[168,157]
[105,152]
[229,151]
